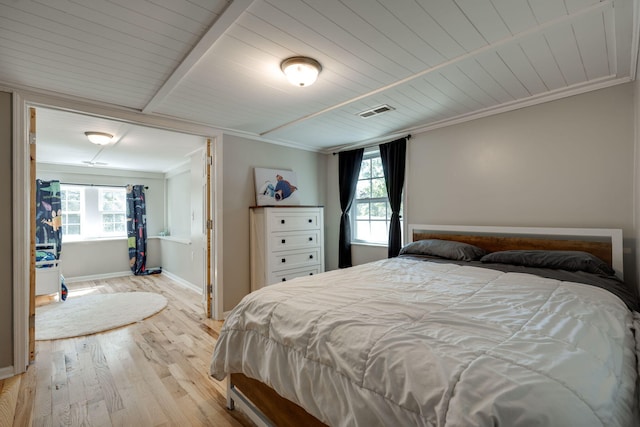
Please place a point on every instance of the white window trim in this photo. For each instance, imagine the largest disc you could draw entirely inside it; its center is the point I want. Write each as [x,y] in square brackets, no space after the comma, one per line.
[74,237]
[91,219]
[368,153]
[101,192]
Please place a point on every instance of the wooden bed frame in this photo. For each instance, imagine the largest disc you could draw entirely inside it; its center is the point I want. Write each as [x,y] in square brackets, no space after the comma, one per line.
[266,407]
[605,243]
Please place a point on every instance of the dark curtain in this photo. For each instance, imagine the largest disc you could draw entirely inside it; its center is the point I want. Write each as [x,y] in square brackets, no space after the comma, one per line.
[349,163]
[137,229]
[49,214]
[393,155]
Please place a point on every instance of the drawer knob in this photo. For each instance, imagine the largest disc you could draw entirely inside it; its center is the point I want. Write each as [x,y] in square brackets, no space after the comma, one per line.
[284,279]
[283,241]
[282,221]
[310,256]
[284,260]
[310,220]
[310,274]
[311,239]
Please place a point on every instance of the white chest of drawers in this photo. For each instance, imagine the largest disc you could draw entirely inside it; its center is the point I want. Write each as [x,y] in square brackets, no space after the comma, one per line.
[286,242]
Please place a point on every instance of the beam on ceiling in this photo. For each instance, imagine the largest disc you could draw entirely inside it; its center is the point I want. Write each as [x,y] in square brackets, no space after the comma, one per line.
[225,20]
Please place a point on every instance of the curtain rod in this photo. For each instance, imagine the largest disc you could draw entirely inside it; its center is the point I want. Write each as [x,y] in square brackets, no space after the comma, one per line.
[370,145]
[99,185]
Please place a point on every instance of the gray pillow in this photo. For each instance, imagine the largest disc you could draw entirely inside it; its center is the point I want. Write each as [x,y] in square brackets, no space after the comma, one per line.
[448,249]
[559,260]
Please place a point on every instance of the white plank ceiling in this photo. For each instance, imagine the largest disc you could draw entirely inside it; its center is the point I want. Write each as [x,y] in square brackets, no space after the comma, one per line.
[217,63]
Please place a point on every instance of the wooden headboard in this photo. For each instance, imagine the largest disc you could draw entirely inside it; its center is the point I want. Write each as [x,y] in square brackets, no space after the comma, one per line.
[605,243]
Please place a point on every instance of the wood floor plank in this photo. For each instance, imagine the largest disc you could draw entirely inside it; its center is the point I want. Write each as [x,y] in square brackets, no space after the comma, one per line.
[99,415]
[105,378]
[79,413]
[150,373]
[61,414]
[44,375]
[59,389]
[9,391]
[26,398]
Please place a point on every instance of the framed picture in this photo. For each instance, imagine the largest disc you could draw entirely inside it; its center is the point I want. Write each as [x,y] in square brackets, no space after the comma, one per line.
[276,187]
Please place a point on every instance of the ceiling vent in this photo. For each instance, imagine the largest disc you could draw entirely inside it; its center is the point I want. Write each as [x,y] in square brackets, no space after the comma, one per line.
[375,111]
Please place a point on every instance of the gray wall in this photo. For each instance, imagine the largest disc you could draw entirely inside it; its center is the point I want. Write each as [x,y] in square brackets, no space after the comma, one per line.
[81,259]
[6,224]
[566,163]
[240,157]
[107,258]
[183,252]
[176,254]
[179,203]
[196,266]
[182,192]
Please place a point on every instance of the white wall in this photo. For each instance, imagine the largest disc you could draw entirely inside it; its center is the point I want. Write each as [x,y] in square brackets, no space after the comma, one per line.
[566,163]
[240,157]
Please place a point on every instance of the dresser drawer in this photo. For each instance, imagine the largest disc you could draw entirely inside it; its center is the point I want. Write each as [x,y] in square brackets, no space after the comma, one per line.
[295,240]
[283,276]
[290,221]
[294,259]
[286,242]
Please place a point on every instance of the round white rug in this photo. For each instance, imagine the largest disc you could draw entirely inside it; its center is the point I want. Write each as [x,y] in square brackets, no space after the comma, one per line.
[89,314]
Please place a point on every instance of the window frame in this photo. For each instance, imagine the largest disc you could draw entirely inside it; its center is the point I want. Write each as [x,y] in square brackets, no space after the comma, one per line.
[65,212]
[368,155]
[91,213]
[112,212]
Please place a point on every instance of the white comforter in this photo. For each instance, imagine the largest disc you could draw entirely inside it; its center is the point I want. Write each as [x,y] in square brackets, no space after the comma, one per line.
[404,342]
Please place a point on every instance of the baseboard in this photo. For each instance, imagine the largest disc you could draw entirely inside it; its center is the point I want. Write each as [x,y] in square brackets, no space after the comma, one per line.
[179,280]
[97,276]
[170,275]
[6,372]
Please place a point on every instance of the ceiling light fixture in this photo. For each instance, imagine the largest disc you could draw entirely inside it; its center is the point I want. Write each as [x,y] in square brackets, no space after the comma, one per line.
[99,138]
[300,70]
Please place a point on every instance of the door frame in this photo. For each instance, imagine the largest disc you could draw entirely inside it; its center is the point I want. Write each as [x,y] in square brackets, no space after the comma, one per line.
[21,234]
[22,101]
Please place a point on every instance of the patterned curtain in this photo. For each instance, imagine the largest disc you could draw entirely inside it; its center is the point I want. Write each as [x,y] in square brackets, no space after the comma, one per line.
[49,214]
[137,229]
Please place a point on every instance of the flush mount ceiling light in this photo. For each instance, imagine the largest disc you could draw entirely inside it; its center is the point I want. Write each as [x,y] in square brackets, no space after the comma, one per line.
[300,70]
[99,138]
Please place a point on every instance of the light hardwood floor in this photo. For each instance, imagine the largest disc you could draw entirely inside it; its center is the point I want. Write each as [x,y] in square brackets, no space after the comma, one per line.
[151,373]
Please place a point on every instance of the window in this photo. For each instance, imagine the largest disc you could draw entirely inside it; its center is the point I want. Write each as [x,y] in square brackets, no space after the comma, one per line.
[71,203]
[90,212]
[371,212]
[113,210]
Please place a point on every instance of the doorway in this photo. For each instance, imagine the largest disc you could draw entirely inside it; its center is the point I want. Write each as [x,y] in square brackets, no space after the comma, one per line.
[22,173]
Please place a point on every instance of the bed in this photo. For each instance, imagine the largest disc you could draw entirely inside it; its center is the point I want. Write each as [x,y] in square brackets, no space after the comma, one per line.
[47,270]
[438,337]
